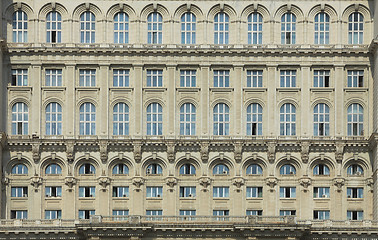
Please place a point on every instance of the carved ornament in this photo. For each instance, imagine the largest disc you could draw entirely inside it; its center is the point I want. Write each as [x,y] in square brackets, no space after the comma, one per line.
[138,182]
[103,145]
[137,151]
[271,151]
[305,182]
[204,182]
[171,152]
[204,152]
[238,152]
[305,150]
[271,182]
[339,183]
[70,181]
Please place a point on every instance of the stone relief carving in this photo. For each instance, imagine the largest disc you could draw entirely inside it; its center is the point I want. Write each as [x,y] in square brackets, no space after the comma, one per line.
[205,182]
[271,182]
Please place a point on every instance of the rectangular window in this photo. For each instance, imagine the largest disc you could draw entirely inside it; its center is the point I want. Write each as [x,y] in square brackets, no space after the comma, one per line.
[121,78]
[254,192]
[188,78]
[287,192]
[187,212]
[53,77]
[321,192]
[86,214]
[254,78]
[53,214]
[355,192]
[154,192]
[288,78]
[53,191]
[120,212]
[187,192]
[321,215]
[355,78]
[120,191]
[154,213]
[87,78]
[19,77]
[220,192]
[154,78]
[254,212]
[221,78]
[288,212]
[87,191]
[19,214]
[221,213]
[321,78]
[355,215]
[19,192]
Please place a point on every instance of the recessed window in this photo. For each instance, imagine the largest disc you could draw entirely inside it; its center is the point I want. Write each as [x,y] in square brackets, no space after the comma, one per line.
[355,119]
[321,192]
[355,78]
[188,78]
[120,213]
[287,192]
[355,192]
[120,169]
[355,215]
[356,28]
[121,119]
[254,212]
[87,168]
[19,192]
[154,192]
[120,191]
[187,192]
[53,77]
[53,214]
[221,119]
[87,192]
[321,78]
[187,169]
[154,78]
[86,214]
[221,78]
[155,28]
[121,78]
[121,28]
[254,119]
[221,28]
[154,169]
[20,119]
[355,170]
[53,27]
[221,192]
[87,78]
[53,191]
[287,120]
[20,27]
[321,120]
[19,169]
[287,169]
[321,30]
[19,77]
[154,119]
[87,27]
[188,28]
[54,119]
[19,214]
[53,169]
[254,78]
[187,119]
[254,192]
[221,169]
[87,123]
[288,78]
[321,169]
[220,213]
[321,215]
[187,212]
[288,28]
[254,169]
[255,31]
[288,212]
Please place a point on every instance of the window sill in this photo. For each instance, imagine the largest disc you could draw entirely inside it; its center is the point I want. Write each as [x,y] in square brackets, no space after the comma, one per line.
[19,88]
[87,175]
[254,89]
[188,89]
[322,89]
[53,88]
[154,89]
[187,198]
[120,198]
[87,137]
[221,198]
[187,175]
[322,199]
[154,175]
[355,199]
[154,198]
[120,175]
[53,136]
[356,89]
[121,89]
[121,137]
[288,89]
[52,198]
[254,198]
[19,198]
[86,198]
[221,89]
[81,88]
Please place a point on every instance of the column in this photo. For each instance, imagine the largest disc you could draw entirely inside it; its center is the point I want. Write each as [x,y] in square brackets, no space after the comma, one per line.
[271,111]
[204,83]
[35,111]
[138,99]
[69,113]
[236,83]
[103,112]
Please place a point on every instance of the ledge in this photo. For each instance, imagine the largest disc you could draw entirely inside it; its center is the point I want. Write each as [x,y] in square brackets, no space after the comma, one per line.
[356,89]
[154,89]
[121,89]
[221,89]
[20,88]
[288,89]
[322,89]
[188,89]
[53,88]
[255,89]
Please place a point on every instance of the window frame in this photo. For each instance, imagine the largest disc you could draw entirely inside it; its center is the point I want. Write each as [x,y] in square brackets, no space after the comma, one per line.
[321,112]
[321,192]
[288,28]
[20,29]
[254,78]
[322,78]
[19,167]
[53,191]
[121,120]
[355,78]
[120,192]
[19,77]
[221,28]
[188,78]
[154,127]
[221,192]
[255,28]
[53,77]
[188,23]
[288,192]
[254,192]
[87,35]
[20,126]
[221,127]
[53,169]
[187,191]
[359,32]
[154,192]
[54,34]
[288,78]
[154,28]
[288,169]
[288,121]
[188,119]
[53,111]
[355,126]
[254,119]
[322,28]
[221,169]
[121,34]
[87,77]
[121,78]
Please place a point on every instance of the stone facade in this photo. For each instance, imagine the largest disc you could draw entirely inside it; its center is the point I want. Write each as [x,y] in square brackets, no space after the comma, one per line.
[282,163]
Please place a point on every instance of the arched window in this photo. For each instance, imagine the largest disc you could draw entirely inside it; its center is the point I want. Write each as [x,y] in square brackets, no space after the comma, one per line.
[288,28]
[356,28]
[254,119]
[87,27]
[287,169]
[53,119]
[154,119]
[53,27]
[355,120]
[221,169]
[355,170]
[154,168]
[87,168]
[121,119]
[221,119]
[188,28]
[321,120]
[187,169]
[19,169]
[53,169]
[20,26]
[120,168]
[254,169]
[121,28]
[255,24]
[155,28]
[287,119]
[187,119]
[20,119]
[87,119]
[221,31]
[321,28]
[321,169]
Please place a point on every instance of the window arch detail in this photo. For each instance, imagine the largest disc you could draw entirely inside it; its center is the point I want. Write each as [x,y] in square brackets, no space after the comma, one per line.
[355,119]
[321,28]
[187,119]
[87,168]
[154,28]
[154,119]
[221,28]
[321,120]
[120,169]
[20,119]
[87,123]
[355,28]
[121,119]
[221,119]
[53,169]
[187,169]
[221,169]
[288,28]
[254,169]
[321,169]
[287,169]
[121,27]
[54,27]
[154,169]
[53,119]
[19,169]
[87,27]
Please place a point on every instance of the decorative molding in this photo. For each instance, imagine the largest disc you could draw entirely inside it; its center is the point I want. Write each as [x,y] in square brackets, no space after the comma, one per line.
[339,183]
[238,151]
[138,182]
[339,153]
[305,150]
[70,150]
[305,182]
[238,182]
[271,151]
[271,182]
[171,151]
[204,151]
[370,183]
[103,181]
[36,152]
[103,145]
[137,151]
[35,181]
[204,182]
[70,181]
[171,182]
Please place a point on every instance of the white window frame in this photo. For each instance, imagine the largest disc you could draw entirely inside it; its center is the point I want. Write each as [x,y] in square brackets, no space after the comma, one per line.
[53,77]
[19,169]
[188,119]
[321,28]
[321,214]
[355,122]
[87,27]
[321,192]
[19,214]
[87,192]
[287,192]
[87,77]
[355,192]
[221,119]
[221,78]
[187,192]
[355,28]
[117,169]
[287,120]
[254,78]
[121,119]
[19,192]
[20,119]
[20,27]
[121,28]
[154,191]
[321,120]
[121,78]
[254,169]
[154,119]
[288,28]
[254,120]
[322,78]
[54,119]
[221,192]
[355,78]
[19,77]
[155,28]
[287,169]
[53,191]
[221,28]
[87,122]
[254,192]
[120,192]
[255,28]
[54,27]
[85,214]
[288,78]
[221,169]
[188,78]
[188,28]
[53,214]
[53,168]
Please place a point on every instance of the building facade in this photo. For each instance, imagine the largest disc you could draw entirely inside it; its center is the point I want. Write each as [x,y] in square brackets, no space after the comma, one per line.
[138,119]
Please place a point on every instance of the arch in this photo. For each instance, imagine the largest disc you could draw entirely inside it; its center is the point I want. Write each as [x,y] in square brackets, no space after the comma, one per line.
[225,161]
[360,8]
[222,8]
[220,100]
[18,100]
[48,160]
[50,7]
[292,161]
[52,100]
[353,101]
[19,169]
[120,100]
[154,160]
[117,160]
[358,161]
[189,7]
[147,10]
[288,100]
[154,100]
[23,160]
[86,100]
[19,6]
[254,100]
[188,100]
[289,8]
[255,8]
[253,160]
[184,160]
[322,8]
[121,7]
[82,160]
[324,160]
[87,7]
[321,100]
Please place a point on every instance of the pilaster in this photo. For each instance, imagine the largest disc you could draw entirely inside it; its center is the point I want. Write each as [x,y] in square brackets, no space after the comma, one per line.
[271,84]
[70,82]
[102,81]
[35,108]
[204,82]
[138,99]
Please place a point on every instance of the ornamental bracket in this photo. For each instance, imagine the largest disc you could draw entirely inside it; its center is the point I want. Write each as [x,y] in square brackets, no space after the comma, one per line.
[171,182]
[271,151]
[204,151]
[204,182]
[339,183]
[138,182]
[238,182]
[271,182]
[137,151]
[171,151]
[238,151]
[70,150]
[103,145]
[305,182]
